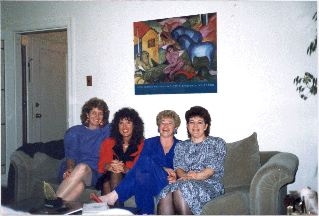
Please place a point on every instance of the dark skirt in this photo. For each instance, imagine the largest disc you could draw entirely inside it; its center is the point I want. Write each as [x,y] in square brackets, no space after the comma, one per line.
[104,178]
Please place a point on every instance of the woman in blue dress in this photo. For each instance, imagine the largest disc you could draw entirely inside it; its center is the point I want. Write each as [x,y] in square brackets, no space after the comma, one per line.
[154,168]
[199,165]
[82,145]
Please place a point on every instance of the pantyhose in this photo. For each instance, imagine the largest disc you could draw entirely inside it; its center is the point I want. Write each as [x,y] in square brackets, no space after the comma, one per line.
[111,182]
[173,204]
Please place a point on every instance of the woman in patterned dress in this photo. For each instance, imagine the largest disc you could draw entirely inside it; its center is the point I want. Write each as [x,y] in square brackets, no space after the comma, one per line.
[199,165]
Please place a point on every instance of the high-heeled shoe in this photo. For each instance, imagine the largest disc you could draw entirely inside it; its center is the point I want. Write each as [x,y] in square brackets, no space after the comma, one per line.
[51,199]
[48,191]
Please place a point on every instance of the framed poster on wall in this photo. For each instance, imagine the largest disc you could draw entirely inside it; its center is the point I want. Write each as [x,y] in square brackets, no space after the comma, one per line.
[176,55]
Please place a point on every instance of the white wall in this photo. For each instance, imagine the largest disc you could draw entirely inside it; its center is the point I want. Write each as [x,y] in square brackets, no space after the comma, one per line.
[261,48]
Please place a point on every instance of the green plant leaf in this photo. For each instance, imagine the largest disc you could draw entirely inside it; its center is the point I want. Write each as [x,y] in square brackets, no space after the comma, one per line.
[308,81]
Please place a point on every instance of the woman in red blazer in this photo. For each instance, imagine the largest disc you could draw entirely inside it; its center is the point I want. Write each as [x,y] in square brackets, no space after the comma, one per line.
[120,151]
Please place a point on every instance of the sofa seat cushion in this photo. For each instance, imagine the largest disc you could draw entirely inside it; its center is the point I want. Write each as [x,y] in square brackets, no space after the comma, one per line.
[241,162]
[233,202]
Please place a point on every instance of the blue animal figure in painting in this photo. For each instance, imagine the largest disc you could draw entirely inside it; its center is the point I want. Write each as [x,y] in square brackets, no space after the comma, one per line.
[194,35]
[202,49]
[184,41]
[199,49]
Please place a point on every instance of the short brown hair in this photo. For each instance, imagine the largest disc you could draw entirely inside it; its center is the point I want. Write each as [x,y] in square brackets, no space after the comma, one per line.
[95,103]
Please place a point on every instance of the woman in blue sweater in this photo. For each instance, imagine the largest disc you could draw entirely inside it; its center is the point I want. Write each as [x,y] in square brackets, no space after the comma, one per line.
[154,168]
[82,144]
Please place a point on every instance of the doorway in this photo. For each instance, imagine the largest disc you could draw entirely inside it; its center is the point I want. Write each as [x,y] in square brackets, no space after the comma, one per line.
[44,81]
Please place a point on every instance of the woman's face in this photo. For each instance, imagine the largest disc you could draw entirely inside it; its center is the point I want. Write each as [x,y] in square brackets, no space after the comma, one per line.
[196,127]
[95,118]
[166,127]
[126,128]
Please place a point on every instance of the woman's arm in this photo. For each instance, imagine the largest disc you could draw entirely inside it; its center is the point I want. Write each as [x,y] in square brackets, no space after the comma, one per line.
[70,164]
[106,155]
[201,175]
[180,173]
[129,164]
[171,175]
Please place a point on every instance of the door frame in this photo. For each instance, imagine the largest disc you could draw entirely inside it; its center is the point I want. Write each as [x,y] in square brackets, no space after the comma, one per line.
[69,75]
[13,79]
[27,95]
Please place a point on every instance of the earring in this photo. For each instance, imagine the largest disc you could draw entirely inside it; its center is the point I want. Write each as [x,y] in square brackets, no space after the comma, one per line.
[158,130]
[175,131]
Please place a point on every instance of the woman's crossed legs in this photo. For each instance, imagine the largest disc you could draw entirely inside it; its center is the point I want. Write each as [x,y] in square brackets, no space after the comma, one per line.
[73,186]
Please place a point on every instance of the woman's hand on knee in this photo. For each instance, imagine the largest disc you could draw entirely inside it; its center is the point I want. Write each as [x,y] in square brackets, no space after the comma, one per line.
[67,173]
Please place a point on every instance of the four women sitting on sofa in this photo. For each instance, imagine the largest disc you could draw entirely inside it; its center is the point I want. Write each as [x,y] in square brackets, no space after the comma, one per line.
[182,176]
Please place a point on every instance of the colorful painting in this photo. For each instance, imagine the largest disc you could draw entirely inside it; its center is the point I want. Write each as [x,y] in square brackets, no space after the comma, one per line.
[176,55]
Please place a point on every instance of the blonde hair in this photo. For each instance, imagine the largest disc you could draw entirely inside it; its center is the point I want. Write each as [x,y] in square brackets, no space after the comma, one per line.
[168,114]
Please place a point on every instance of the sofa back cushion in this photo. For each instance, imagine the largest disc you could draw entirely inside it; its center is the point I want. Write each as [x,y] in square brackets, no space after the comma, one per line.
[54,148]
[241,162]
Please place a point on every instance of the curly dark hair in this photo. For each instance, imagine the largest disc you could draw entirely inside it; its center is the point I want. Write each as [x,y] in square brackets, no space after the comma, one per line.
[201,112]
[95,103]
[138,130]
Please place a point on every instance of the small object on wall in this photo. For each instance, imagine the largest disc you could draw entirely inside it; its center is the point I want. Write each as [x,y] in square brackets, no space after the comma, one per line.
[89,80]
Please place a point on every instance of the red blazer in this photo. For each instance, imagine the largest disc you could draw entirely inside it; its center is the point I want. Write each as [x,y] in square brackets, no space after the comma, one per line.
[106,154]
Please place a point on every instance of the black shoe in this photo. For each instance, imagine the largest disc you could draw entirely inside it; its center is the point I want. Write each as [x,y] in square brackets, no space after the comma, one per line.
[55,203]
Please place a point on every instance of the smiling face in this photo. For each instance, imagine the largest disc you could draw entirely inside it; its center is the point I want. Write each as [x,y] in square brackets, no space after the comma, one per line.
[196,127]
[166,127]
[126,128]
[95,118]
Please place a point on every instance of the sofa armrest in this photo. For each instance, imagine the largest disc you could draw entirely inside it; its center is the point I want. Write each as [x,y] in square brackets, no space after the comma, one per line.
[266,155]
[29,172]
[270,181]
[20,163]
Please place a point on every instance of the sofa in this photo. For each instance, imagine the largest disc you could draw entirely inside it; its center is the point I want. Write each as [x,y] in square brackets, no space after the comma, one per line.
[255,181]
[33,163]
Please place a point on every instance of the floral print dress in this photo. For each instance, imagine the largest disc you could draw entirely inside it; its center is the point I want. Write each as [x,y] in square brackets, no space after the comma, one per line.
[197,156]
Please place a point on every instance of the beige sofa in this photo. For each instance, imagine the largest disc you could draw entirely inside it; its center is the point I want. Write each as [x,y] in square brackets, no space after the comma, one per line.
[255,181]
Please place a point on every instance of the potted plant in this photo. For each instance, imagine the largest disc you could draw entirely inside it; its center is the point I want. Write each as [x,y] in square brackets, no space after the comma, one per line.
[307,84]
